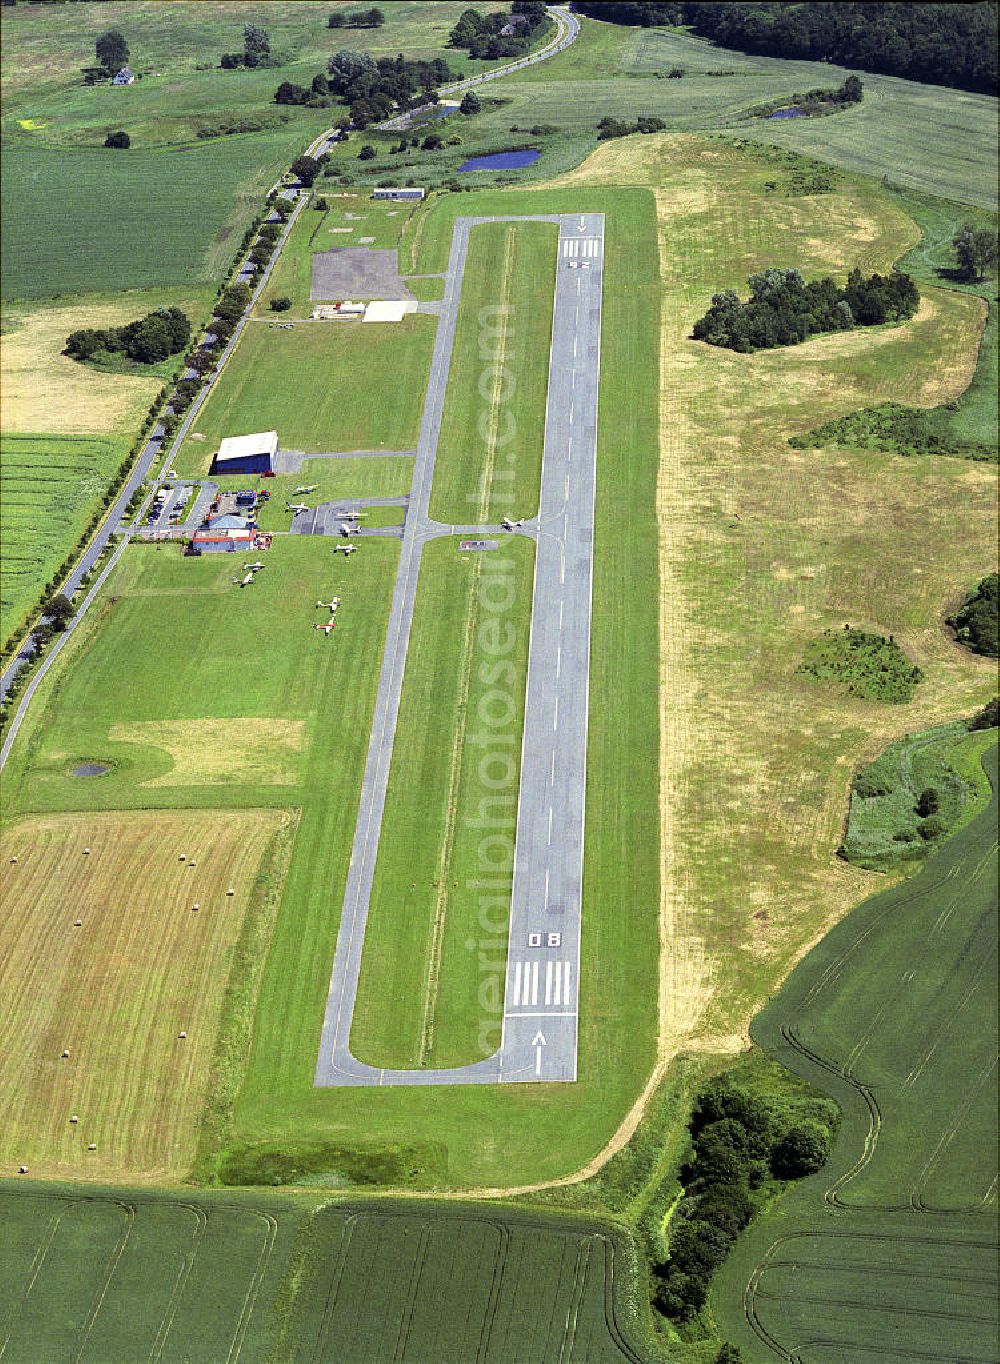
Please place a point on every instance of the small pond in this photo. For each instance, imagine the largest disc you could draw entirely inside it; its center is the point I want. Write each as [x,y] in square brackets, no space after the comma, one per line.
[502,160]
[787,113]
[91,770]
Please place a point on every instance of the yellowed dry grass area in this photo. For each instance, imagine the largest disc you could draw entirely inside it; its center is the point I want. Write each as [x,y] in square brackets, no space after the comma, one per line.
[264,752]
[762,547]
[43,390]
[116,991]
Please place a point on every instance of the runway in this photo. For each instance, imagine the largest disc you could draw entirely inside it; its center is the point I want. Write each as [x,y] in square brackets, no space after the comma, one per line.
[539,1036]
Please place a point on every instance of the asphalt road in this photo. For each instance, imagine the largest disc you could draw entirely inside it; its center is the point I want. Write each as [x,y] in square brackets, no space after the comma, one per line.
[539,1039]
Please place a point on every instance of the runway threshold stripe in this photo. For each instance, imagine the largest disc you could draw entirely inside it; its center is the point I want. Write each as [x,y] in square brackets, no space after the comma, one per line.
[548,982]
[517,983]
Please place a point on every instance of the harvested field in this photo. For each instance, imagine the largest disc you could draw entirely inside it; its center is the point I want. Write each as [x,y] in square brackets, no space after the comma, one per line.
[116,990]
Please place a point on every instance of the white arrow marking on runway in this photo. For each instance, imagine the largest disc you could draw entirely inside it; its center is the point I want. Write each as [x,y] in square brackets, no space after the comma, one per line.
[538,1042]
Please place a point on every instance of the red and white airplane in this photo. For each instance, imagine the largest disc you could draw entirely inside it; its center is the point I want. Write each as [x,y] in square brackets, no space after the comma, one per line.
[330,625]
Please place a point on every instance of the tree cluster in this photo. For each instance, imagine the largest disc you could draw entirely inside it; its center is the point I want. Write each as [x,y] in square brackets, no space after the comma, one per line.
[483,35]
[119,140]
[952,45]
[821,101]
[372,89]
[256,50]
[356,18]
[740,1142]
[153,337]
[976,621]
[783,309]
[975,251]
[617,127]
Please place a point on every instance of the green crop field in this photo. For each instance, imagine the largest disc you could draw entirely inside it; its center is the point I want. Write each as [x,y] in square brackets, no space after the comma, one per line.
[418,1282]
[305,385]
[499,377]
[49,487]
[890,1248]
[129,1274]
[83,220]
[422,998]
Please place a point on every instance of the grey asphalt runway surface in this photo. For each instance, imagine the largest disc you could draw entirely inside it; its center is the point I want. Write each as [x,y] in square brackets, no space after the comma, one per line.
[539,1038]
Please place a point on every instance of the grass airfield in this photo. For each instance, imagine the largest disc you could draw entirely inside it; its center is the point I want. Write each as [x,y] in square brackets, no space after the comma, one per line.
[820,538]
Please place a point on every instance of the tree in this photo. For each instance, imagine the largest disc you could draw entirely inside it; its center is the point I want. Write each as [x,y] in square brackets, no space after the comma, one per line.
[256,44]
[112,50]
[337,20]
[60,609]
[852,90]
[976,250]
[729,1354]
[320,85]
[233,302]
[281,304]
[976,621]
[367,153]
[345,68]
[119,139]
[928,802]
[471,103]
[305,169]
[432,143]
[804,1149]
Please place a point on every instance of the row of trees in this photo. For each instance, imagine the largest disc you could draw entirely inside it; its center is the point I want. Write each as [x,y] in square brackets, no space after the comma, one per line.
[148,340]
[783,309]
[952,45]
[490,37]
[357,18]
[371,88]
[740,1143]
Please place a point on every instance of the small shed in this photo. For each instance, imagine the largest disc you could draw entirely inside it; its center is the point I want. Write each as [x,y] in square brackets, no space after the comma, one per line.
[126,76]
[405,193]
[253,454]
[224,535]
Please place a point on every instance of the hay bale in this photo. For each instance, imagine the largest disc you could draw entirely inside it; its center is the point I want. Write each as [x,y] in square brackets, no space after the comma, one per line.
[22,1169]
[231,891]
[92,1146]
[86,851]
[182,1034]
[65,1052]
[74,1118]
[195,907]
[77,923]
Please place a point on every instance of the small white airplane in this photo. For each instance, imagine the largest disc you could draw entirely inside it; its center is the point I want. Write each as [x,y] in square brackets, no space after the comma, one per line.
[306,488]
[344,529]
[254,568]
[330,625]
[297,508]
[245,581]
[348,549]
[330,605]
[351,515]
[508,524]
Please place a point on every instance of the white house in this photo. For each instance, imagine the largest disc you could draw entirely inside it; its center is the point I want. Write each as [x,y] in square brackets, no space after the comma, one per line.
[126,76]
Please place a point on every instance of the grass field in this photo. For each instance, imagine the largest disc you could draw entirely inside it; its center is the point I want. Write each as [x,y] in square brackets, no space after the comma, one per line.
[884,824]
[117,990]
[348,218]
[499,377]
[49,486]
[304,384]
[894,1014]
[925,138]
[430,992]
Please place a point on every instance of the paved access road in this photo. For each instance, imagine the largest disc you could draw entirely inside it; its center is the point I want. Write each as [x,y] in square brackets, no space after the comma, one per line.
[539,1038]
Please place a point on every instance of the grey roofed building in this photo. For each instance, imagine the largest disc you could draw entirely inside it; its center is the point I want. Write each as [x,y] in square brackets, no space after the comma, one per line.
[126,76]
